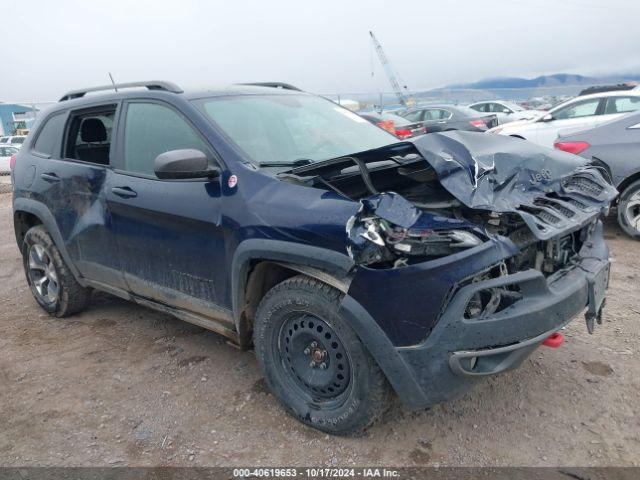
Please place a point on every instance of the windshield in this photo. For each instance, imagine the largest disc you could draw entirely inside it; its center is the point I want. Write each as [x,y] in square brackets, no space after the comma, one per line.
[284,129]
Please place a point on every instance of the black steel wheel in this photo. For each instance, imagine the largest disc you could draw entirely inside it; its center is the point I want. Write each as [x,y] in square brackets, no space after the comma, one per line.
[314,354]
[314,362]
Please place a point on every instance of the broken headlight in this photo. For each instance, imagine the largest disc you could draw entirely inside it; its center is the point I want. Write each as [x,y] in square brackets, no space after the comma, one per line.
[375,240]
[389,231]
[429,243]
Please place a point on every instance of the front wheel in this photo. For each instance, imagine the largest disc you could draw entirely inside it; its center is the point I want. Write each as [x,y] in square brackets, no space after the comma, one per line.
[313,362]
[629,210]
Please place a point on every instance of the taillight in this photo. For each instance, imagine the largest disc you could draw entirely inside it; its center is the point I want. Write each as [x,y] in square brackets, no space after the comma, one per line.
[387,125]
[12,161]
[403,133]
[572,147]
[478,123]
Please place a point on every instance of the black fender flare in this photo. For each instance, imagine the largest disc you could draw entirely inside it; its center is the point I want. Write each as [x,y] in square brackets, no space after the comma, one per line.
[334,264]
[398,372]
[41,211]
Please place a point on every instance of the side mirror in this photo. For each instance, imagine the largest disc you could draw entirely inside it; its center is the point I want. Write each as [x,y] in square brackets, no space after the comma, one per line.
[183,164]
[546,118]
[506,110]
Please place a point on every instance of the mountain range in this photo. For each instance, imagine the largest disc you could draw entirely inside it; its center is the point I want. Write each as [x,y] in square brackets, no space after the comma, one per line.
[517,88]
[555,80]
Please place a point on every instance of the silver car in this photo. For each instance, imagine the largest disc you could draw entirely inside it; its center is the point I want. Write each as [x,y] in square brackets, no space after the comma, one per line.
[615,146]
[6,151]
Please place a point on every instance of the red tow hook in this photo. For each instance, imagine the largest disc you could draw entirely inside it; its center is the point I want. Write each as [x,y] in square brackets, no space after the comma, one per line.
[554,340]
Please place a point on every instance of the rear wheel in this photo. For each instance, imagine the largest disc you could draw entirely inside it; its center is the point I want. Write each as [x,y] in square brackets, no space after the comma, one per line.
[52,284]
[313,362]
[629,210]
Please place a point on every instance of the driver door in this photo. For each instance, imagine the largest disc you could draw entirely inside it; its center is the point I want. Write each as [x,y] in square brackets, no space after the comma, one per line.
[170,234]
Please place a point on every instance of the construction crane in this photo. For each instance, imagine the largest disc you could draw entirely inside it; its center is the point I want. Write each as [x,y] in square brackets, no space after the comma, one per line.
[393,78]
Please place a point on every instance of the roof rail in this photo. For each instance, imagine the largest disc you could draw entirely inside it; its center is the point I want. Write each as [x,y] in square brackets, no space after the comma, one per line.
[281,85]
[151,85]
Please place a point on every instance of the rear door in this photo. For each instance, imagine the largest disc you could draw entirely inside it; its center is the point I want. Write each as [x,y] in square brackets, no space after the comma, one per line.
[73,152]
[574,116]
[617,106]
[169,232]
[436,119]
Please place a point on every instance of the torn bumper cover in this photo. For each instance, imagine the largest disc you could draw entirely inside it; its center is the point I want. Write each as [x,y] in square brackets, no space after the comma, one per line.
[458,350]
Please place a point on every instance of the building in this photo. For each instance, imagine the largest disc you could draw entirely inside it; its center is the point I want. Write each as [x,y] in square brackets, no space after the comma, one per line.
[15,117]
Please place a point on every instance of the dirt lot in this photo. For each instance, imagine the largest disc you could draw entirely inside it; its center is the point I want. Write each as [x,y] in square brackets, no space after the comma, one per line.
[122,385]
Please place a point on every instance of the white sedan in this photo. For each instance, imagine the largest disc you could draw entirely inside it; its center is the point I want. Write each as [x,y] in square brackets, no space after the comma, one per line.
[6,152]
[576,114]
[506,111]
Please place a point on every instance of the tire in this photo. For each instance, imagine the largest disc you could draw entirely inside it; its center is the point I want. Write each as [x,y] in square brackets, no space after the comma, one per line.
[629,210]
[51,282]
[345,397]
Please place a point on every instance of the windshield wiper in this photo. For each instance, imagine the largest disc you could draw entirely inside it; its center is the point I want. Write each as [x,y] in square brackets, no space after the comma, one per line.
[296,163]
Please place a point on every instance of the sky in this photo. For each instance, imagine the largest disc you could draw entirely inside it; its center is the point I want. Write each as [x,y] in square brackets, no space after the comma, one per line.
[49,47]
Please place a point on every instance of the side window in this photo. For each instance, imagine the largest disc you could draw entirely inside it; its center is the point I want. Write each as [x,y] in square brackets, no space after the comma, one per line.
[443,114]
[152,129]
[49,135]
[414,116]
[431,114]
[497,108]
[89,135]
[585,108]
[481,107]
[622,105]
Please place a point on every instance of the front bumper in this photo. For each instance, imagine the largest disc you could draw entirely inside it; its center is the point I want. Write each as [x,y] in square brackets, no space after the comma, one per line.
[459,351]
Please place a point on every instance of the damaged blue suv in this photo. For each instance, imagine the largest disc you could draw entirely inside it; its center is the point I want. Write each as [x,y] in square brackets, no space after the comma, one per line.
[355,265]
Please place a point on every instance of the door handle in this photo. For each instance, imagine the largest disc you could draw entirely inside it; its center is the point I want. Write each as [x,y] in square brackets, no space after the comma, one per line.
[124,192]
[50,177]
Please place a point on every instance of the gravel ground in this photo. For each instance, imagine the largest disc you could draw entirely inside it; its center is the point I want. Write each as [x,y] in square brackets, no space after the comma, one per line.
[122,385]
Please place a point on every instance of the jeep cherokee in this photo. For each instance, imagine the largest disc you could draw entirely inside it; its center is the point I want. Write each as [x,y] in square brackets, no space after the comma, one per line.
[354,264]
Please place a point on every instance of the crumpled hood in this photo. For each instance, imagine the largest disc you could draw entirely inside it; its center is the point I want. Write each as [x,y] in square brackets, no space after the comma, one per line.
[550,189]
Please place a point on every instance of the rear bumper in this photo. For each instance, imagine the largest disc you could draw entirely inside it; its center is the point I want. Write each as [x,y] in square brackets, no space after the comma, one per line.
[459,351]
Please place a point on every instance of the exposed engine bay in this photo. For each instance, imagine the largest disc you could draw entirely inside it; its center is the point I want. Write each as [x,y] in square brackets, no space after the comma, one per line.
[447,192]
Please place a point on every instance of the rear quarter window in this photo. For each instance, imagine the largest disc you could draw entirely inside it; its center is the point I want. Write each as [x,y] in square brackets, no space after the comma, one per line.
[49,135]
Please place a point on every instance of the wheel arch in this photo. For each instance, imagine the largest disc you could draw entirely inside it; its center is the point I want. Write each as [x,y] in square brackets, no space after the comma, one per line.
[622,186]
[28,213]
[260,264]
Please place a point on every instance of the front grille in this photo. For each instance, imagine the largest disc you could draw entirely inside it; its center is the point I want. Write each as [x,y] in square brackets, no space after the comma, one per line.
[547,217]
[583,185]
[554,205]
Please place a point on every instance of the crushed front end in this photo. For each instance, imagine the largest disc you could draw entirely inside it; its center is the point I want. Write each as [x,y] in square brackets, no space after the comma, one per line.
[471,250]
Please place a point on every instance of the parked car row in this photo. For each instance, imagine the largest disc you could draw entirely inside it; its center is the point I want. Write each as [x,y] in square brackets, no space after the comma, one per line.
[575,114]
[13,140]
